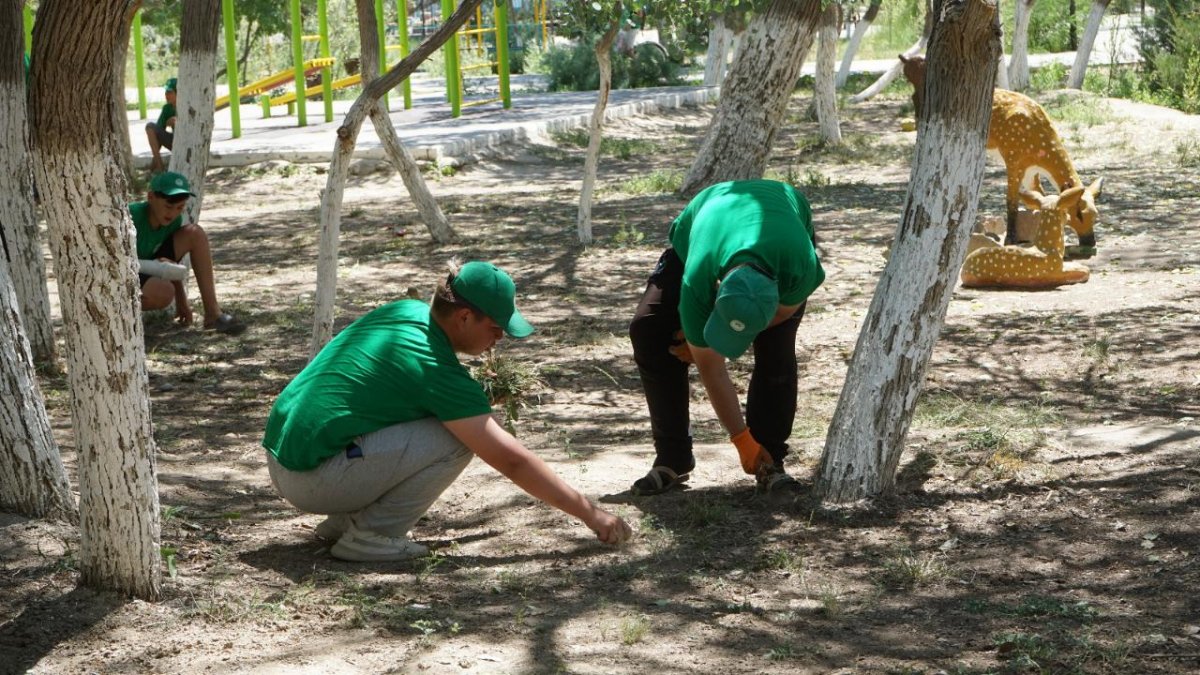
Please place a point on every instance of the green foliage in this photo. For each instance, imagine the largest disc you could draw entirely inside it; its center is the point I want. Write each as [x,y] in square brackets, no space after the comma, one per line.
[575,68]
[507,383]
[1172,56]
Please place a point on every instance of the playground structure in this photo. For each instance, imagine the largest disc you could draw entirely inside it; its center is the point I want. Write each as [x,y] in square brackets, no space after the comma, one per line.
[491,41]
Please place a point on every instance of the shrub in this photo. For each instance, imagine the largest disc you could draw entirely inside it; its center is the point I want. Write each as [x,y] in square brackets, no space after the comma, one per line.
[575,68]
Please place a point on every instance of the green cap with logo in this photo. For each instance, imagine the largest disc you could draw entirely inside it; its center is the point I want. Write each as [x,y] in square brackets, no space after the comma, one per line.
[171,84]
[745,304]
[169,183]
[494,293]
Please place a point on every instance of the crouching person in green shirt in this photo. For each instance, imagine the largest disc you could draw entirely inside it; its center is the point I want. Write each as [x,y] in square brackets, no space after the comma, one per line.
[385,418]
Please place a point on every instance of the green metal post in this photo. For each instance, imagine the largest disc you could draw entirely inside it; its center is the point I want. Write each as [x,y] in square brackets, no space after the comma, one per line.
[265,101]
[453,86]
[298,63]
[139,61]
[402,25]
[501,15]
[231,68]
[28,15]
[383,66]
[327,71]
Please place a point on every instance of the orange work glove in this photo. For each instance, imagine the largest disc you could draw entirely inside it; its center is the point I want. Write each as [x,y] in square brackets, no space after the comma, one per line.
[752,454]
[679,348]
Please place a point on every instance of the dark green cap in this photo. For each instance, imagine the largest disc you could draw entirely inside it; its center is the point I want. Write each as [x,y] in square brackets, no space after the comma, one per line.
[494,293]
[170,184]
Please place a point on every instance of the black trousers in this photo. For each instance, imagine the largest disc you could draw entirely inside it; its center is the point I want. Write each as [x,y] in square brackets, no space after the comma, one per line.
[770,404]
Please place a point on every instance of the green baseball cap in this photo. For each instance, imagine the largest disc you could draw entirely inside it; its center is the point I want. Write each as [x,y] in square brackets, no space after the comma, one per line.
[494,293]
[171,84]
[170,184]
[745,304]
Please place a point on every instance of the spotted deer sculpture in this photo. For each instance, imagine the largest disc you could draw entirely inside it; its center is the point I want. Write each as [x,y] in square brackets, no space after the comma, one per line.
[1021,133]
[1042,266]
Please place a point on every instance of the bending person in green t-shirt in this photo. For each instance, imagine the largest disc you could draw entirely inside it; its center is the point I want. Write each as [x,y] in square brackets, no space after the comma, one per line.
[741,265]
[161,133]
[161,235]
[385,418]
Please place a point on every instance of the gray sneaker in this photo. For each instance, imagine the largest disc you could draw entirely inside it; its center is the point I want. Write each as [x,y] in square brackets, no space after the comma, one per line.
[363,546]
[333,527]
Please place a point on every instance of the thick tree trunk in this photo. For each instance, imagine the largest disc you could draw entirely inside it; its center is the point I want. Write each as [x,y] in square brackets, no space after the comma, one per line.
[402,159]
[91,237]
[197,96]
[1075,81]
[866,436]
[20,245]
[591,162]
[755,94]
[1018,65]
[343,150]
[717,54]
[824,91]
[884,80]
[860,30]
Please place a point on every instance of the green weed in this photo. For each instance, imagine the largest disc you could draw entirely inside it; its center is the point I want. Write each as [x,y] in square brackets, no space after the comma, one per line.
[906,569]
[634,629]
[783,652]
[507,383]
[655,182]
[706,512]
[1187,153]
[627,236]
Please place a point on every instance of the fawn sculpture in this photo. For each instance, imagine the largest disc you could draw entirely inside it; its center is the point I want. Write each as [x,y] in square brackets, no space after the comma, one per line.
[993,265]
[1021,133]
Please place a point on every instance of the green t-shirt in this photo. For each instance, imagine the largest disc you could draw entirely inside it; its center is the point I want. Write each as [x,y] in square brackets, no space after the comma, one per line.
[763,222]
[168,111]
[148,238]
[391,366]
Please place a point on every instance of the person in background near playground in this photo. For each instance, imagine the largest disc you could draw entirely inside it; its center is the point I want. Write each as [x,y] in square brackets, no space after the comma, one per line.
[161,235]
[377,426]
[161,133]
[741,265]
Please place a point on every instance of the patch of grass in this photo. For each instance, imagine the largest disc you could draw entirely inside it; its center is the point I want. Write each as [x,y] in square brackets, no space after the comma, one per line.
[906,569]
[785,560]
[621,148]
[1187,153]
[634,629]
[1007,436]
[508,383]
[627,236]
[783,652]
[1077,111]
[832,601]
[656,182]
[706,512]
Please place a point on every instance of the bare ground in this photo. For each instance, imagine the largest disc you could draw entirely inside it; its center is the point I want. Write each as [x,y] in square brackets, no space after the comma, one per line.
[1046,517]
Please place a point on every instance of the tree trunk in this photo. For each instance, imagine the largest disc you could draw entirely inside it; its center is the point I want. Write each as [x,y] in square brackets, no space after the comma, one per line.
[20,245]
[33,482]
[1001,70]
[197,96]
[402,159]
[343,150]
[120,116]
[1018,65]
[91,237]
[866,436]
[1075,81]
[755,94]
[860,30]
[718,51]
[824,91]
[603,51]
[884,80]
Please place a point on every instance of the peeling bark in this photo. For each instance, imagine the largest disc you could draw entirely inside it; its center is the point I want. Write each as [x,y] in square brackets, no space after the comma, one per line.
[1079,69]
[1018,65]
[860,30]
[824,91]
[591,162]
[197,97]
[866,436]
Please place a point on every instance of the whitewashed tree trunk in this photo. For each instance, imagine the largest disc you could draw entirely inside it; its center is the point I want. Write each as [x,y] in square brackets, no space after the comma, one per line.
[866,436]
[91,237]
[1018,65]
[718,51]
[755,95]
[1001,70]
[860,30]
[33,481]
[120,116]
[591,162]
[343,151]
[824,90]
[20,244]
[1079,69]
[197,97]
[402,160]
[884,80]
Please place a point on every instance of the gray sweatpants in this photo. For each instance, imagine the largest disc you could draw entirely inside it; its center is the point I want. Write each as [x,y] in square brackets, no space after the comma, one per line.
[404,468]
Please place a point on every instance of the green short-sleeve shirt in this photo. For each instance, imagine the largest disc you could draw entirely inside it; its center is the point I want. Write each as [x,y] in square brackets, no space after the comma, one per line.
[763,222]
[168,111]
[149,238]
[391,366]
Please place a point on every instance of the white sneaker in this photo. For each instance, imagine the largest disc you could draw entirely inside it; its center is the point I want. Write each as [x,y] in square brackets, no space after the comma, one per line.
[333,527]
[363,546]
